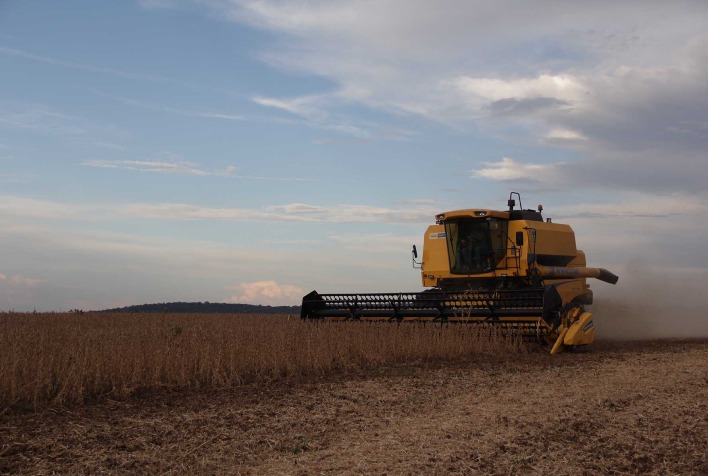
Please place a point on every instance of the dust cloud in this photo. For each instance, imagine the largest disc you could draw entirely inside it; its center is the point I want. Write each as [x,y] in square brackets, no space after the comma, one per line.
[650,302]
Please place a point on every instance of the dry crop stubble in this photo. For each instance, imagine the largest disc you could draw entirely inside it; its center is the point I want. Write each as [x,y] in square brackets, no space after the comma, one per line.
[56,359]
[621,408]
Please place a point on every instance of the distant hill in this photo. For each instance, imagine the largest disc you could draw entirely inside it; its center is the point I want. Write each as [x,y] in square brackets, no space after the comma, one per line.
[208,307]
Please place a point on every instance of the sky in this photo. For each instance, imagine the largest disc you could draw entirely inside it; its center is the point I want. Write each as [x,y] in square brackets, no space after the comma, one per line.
[252,151]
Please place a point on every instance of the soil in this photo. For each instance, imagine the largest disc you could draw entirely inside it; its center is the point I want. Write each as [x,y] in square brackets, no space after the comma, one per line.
[617,408]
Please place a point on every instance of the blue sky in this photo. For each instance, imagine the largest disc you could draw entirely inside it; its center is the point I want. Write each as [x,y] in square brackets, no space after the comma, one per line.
[242,151]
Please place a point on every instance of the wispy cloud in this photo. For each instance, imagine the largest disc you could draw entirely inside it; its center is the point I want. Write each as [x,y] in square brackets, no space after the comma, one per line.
[328,112]
[216,115]
[172,110]
[171,163]
[304,106]
[39,117]
[34,208]
[7,51]
[291,242]
[295,212]
[42,119]
[17,210]
[318,112]
[157,4]
[179,167]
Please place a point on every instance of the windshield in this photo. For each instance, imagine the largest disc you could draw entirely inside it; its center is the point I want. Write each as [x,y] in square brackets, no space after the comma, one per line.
[476,245]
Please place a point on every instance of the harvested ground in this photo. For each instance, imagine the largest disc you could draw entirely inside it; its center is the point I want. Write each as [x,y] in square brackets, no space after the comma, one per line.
[619,408]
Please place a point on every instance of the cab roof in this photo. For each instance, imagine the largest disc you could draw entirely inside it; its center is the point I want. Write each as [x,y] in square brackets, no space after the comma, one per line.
[530,215]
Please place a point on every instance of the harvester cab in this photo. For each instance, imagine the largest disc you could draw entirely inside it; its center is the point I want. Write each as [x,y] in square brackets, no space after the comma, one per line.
[504,268]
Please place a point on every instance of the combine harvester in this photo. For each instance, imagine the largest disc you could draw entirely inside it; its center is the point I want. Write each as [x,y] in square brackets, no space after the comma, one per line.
[504,268]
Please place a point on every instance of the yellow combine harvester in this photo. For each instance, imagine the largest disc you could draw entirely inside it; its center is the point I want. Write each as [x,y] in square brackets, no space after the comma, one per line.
[506,268]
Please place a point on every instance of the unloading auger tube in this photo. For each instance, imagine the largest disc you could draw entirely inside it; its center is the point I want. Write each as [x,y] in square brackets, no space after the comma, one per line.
[503,268]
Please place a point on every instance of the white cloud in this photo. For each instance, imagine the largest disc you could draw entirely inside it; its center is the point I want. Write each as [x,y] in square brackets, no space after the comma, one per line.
[304,106]
[508,170]
[266,293]
[218,115]
[480,91]
[564,135]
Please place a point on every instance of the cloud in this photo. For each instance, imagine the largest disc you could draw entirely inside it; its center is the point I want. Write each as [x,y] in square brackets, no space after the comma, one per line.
[319,112]
[304,106]
[620,86]
[174,164]
[216,115]
[39,117]
[563,137]
[166,167]
[298,209]
[420,202]
[25,208]
[45,120]
[266,293]
[513,107]
[84,67]
[294,212]
[19,280]
[510,170]
[557,90]
[172,110]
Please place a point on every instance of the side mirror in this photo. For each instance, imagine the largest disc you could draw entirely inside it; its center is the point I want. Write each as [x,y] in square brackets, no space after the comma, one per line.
[519,238]
[416,264]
